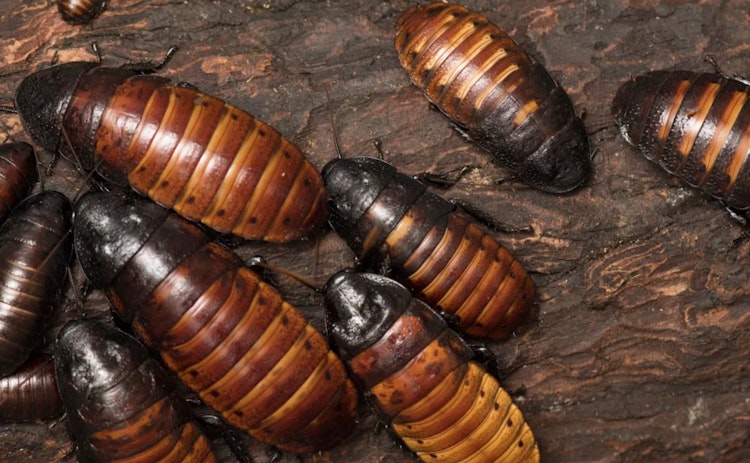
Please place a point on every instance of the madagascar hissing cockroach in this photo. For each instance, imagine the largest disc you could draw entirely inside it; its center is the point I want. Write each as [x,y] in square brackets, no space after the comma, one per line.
[693,125]
[209,161]
[229,336]
[391,221]
[17,175]
[121,405]
[35,249]
[495,94]
[80,11]
[30,392]
[419,375]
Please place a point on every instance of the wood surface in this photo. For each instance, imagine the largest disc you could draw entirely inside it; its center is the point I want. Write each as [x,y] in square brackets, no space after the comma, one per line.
[640,353]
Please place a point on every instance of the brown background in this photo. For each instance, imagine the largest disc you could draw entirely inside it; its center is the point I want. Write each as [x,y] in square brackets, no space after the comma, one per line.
[641,350]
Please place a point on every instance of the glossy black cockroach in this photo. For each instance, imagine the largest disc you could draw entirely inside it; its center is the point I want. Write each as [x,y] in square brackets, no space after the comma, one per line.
[420,377]
[35,249]
[495,94]
[693,125]
[80,11]
[30,392]
[391,220]
[209,161]
[17,175]
[229,336]
[121,404]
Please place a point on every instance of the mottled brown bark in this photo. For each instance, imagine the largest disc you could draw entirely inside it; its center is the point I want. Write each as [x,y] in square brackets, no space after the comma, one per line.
[640,352]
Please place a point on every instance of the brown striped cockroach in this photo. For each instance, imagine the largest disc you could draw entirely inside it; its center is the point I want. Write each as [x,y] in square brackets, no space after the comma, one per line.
[30,392]
[495,94]
[35,249]
[229,336]
[693,125]
[17,175]
[420,377]
[391,221]
[208,160]
[80,11]
[121,404]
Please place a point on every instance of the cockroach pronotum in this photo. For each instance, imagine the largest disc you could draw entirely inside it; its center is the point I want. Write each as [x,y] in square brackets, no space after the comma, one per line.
[121,404]
[229,336]
[17,175]
[30,392]
[495,93]
[391,221]
[80,11]
[209,161]
[35,249]
[695,126]
[420,376]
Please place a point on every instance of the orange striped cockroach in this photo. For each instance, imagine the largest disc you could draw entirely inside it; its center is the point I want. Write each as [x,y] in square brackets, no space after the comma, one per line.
[229,336]
[121,405]
[420,376]
[80,11]
[18,174]
[693,125]
[30,392]
[495,94]
[35,250]
[391,221]
[208,160]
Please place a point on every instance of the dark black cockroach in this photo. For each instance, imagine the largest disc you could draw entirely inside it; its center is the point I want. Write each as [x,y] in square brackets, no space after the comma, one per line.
[209,161]
[17,175]
[30,392]
[495,93]
[35,249]
[80,11]
[420,377]
[121,404]
[229,336]
[391,220]
[695,126]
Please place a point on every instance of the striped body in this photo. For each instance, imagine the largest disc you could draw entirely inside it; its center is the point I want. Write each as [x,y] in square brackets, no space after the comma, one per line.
[495,93]
[17,175]
[695,126]
[419,375]
[30,392]
[80,11]
[35,249]
[121,404]
[229,336]
[209,161]
[391,220]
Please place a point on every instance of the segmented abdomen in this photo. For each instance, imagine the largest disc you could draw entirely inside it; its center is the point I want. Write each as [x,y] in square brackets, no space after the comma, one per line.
[504,100]
[30,392]
[390,219]
[121,404]
[418,374]
[35,248]
[229,336]
[17,175]
[209,161]
[80,11]
[695,126]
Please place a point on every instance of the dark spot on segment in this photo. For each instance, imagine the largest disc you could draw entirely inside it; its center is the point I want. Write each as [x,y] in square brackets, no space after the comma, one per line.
[520,444]
[165,184]
[284,320]
[482,393]
[214,393]
[239,413]
[252,220]
[261,300]
[327,376]
[509,423]
[287,221]
[308,346]
[287,154]
[191,200]
[221,212]
[261,133]
[233,116]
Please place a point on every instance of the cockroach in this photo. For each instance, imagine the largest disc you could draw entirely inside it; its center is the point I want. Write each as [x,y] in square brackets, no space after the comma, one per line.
[17,175]
[35,249]
[80,11]
[30,392]
[495,94]
[121,404]
[229,336]
[209,161]
[695,126]
[391,221]
[419,375]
